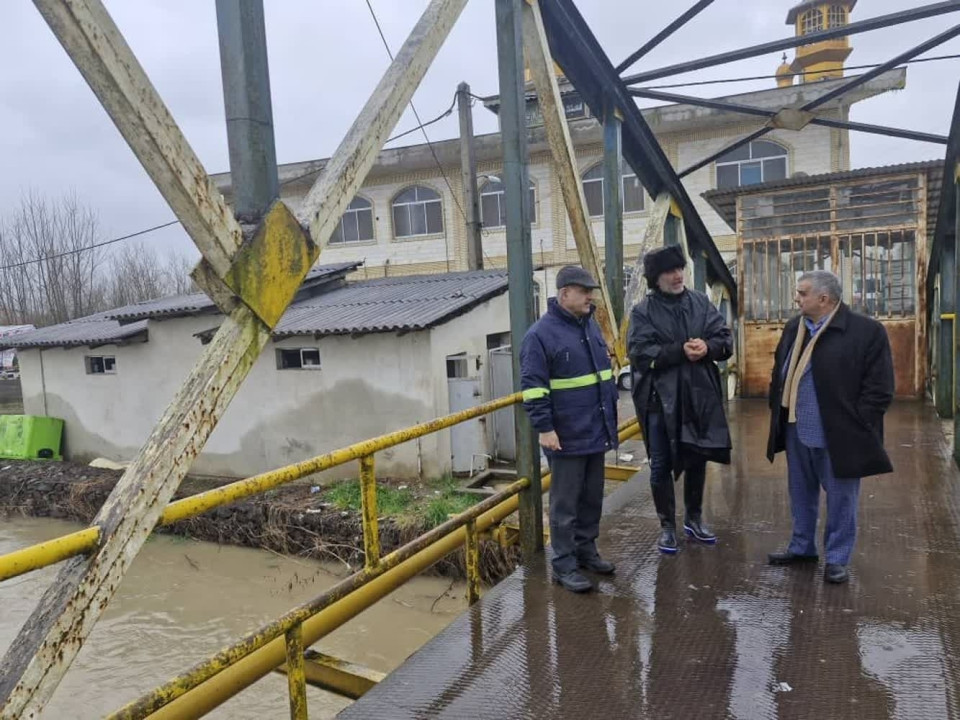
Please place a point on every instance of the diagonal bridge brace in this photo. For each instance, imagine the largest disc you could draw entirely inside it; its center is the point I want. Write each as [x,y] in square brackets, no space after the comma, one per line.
[253,279]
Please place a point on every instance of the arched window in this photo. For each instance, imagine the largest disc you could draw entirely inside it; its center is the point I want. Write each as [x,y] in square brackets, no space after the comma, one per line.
[811,21]
[836,16]
[493,207]
[356,224]
[630,189]
[760,161]
[417,211]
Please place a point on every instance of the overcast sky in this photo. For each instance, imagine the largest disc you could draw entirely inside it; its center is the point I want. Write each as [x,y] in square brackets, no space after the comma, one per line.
[325,58]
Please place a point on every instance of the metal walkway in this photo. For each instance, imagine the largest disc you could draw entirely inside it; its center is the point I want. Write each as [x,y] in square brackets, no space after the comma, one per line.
[715,632]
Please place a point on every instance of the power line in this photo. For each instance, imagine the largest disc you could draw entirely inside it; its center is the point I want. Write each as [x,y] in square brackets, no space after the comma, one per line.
[90,247]
[774,77]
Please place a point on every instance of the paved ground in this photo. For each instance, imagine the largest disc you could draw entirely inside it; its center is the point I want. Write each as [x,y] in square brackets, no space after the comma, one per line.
[715,632]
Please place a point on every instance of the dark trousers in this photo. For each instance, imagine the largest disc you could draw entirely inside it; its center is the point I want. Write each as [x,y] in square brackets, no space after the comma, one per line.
[661,476]
[576,503]
[808,470]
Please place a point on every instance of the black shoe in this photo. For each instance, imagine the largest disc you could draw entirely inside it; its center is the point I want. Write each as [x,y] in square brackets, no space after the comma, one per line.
[597,565]
[668,541]
[699,532]
[789,558]
[573,581]
[836,574]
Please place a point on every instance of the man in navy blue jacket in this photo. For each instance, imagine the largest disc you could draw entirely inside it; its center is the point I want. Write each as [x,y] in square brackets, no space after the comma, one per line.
[571,398]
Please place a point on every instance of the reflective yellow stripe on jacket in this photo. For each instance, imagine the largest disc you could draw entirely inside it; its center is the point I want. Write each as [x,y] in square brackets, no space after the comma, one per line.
[568,384]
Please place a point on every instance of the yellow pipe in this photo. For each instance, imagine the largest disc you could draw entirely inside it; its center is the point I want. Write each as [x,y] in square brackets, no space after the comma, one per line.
[202,699]
[296,679]
[83,541]
[471,551]
[368,506]
[47,553]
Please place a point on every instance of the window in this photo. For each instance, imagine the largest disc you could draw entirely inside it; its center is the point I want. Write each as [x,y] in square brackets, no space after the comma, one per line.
[760,161]
[836,16]
[417,211]
[298,359]
[811,21]
[356,225]
[632,192]
[493,208]
[101,364]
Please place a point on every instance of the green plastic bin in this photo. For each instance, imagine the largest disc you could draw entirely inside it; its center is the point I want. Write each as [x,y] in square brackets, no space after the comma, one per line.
[30,437]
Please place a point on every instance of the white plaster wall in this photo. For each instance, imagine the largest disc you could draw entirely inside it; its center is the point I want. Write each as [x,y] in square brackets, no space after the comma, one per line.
[465,334]
[367,386]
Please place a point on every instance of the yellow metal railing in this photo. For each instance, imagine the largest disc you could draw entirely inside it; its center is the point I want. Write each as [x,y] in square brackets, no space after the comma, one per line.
[282,642]
[83,541]
[236,667]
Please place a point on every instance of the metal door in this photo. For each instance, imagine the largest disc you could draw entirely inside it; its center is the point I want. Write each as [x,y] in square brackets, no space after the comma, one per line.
[466,439]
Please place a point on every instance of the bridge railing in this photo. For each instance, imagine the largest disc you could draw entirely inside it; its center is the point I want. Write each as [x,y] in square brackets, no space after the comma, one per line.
[282,642]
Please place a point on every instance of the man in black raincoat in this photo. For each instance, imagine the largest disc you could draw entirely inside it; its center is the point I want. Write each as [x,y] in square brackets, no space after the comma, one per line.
[676,337]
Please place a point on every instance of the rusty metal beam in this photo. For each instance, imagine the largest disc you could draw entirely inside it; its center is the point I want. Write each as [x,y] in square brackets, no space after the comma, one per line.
[537,53]
[338,676]
[343,174]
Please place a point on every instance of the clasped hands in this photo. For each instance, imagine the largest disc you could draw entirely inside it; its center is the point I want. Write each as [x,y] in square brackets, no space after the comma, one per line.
[695,349]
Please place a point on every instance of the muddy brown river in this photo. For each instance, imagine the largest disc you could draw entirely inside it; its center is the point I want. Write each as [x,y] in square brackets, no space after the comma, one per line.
[183,600]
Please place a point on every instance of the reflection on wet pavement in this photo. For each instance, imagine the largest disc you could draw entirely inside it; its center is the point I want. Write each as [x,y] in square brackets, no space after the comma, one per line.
[715,632]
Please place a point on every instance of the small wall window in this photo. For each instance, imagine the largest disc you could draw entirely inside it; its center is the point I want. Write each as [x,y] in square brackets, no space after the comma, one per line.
[101,364]
[493,206]
[298,359]
[811,21]
[356,225]
[631,191]
[417,211]
[758,162]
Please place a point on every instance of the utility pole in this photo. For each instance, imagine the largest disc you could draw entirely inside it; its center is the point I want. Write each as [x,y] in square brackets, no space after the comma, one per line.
[246,99]
[516,182]
[613,212]
[468,177]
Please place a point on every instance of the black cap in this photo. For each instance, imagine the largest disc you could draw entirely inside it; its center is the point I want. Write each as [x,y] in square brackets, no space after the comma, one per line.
[573,275]
[656,262]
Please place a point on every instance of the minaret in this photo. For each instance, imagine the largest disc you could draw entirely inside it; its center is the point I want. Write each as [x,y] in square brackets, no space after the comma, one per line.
[824,59]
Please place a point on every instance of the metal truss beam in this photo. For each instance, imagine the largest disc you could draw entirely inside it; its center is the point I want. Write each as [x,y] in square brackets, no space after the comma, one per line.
[833,94]
[861,26]
[760,112]
[664,34]
[579,54]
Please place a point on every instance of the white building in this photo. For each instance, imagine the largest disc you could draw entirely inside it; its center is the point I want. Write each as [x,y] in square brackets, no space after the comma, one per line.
[408,217]
[349,360]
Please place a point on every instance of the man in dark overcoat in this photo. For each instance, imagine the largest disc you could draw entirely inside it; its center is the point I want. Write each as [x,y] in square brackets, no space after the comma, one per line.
[676,338]
[832,383]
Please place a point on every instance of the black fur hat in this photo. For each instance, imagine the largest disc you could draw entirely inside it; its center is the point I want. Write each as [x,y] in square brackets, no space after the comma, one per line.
[656,262]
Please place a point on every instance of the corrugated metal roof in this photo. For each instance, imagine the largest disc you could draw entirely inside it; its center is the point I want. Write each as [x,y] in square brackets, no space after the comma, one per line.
[93,331]
[725,201]
[198,303]
[393,304]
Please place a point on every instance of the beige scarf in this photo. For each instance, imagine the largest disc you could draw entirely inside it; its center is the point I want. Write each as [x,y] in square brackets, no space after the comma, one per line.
[798,364]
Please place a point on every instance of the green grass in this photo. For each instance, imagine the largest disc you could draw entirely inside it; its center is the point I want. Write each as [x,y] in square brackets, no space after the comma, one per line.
[442,500]
[390,501]
[436,509]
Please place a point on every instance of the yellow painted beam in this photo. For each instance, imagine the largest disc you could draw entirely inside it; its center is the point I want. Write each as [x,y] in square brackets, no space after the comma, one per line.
[47,553]
[296,676]
[368,502]
[619,473]
[337,676]
[471,551]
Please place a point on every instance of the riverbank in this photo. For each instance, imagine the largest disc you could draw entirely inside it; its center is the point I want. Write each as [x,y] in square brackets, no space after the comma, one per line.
[299,520]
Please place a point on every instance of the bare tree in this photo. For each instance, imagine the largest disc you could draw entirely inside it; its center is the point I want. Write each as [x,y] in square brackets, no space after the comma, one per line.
[55,270]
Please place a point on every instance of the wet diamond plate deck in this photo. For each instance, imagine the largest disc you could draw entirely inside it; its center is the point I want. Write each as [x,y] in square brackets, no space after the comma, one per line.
[715,632]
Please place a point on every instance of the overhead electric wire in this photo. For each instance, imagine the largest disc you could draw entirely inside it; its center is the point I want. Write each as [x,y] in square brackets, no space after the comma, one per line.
[774,77]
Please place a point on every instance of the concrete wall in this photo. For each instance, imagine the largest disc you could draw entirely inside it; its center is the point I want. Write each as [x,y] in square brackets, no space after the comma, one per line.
[366,386]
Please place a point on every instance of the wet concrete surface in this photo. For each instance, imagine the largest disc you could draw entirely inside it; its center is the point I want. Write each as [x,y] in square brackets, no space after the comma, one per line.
[715,632]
